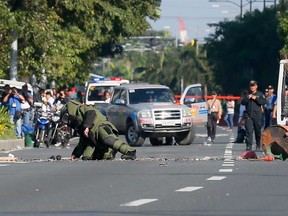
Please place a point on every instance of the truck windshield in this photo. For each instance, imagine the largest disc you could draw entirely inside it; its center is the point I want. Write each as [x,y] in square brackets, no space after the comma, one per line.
[153,95]
[96,93]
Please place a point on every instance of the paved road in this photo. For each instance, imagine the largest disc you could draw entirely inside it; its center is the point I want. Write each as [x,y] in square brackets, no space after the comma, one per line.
[199,179]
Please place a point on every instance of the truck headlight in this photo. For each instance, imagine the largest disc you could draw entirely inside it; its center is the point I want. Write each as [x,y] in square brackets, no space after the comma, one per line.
[145,114]
[186,113]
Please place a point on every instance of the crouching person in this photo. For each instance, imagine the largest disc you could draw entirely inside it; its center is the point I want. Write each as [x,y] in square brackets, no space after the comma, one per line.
[98,137]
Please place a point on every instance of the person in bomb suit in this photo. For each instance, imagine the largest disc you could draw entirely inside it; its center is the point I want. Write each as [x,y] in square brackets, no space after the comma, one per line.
[98,137]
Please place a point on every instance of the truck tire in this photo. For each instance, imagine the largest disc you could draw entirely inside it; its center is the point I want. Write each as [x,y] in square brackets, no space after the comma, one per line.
[168,141]
[133,137]
[185,138]
[156,141]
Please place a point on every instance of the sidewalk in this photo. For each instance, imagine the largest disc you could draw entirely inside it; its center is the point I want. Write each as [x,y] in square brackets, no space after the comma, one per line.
[6,145]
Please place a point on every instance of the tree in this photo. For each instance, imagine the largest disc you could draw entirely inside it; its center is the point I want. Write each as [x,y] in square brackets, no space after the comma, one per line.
[245,49]
[66,37]
[167,65]
[283,26]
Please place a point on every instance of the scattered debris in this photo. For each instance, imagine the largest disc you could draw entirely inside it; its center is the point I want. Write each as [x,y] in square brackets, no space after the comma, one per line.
[249,155]
[8,159]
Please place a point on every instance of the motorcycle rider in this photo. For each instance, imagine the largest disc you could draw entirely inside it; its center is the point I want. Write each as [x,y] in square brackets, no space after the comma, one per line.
[98,137]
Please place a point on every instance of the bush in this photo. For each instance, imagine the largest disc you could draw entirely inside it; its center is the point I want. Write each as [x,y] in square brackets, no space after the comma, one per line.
[6,128]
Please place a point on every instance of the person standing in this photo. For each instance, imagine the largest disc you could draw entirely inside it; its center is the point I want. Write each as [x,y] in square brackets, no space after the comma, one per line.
[214,114]
[49,102]
[4,94]
[26,105]
[61,99]
[14,99]
[253,102]
[229,117]
[268,106]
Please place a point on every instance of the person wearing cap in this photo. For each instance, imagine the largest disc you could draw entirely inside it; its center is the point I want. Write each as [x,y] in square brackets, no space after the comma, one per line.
[253,102]
[268,106]
[214,114]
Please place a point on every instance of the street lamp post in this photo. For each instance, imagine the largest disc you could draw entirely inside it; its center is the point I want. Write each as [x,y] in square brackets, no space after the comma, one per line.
[232,2]
[241,5]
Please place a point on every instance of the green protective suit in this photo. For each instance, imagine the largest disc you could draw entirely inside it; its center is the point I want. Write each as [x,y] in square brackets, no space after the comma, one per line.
[102,141]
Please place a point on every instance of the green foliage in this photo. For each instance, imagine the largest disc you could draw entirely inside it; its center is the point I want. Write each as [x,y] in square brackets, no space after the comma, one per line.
[6,128]
[245,49]
[282,15]
[167,66]
[66,37]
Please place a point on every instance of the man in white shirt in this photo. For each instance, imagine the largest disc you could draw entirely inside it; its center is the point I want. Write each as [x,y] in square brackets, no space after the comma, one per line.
[49,101]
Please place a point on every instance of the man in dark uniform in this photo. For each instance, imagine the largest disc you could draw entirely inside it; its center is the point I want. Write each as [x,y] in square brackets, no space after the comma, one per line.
[253,102]
[98,137]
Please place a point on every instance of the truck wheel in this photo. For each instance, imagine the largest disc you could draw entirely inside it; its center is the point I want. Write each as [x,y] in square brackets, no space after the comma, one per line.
[156,141]
[185,138]
[133,137]
[169,141]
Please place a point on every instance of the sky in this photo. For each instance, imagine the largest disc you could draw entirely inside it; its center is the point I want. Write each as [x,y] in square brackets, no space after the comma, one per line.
[196,14]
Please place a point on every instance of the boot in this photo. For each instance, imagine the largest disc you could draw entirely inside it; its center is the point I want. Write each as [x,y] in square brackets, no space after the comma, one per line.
[130,155]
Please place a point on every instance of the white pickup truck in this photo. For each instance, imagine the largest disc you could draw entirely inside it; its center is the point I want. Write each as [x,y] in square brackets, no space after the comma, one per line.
[94,91]
[146,110]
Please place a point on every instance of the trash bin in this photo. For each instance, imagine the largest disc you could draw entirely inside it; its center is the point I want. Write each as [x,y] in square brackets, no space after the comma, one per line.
[29,142]
[28,131]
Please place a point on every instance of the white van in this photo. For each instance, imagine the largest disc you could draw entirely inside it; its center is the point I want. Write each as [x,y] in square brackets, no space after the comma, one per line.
[94,91]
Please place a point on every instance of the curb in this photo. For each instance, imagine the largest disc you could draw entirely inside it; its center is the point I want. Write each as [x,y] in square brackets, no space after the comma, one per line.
[12,144]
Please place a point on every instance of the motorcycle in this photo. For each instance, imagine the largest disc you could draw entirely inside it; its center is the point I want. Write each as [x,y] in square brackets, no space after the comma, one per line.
[58,132]
[41,128]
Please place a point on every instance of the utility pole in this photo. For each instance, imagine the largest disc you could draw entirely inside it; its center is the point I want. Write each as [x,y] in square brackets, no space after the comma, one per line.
[241,5]
[14,56]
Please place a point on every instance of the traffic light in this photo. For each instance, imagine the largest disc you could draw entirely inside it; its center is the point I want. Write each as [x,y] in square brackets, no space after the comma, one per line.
[193,42]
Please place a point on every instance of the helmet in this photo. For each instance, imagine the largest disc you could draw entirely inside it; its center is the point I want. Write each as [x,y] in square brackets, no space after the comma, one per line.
[68,114]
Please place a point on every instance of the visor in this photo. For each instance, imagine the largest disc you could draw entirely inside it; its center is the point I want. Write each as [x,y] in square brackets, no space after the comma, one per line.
[65,118]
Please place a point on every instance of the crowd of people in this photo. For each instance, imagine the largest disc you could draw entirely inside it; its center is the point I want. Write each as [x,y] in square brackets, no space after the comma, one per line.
[257,111]
[98,138]
[20,103]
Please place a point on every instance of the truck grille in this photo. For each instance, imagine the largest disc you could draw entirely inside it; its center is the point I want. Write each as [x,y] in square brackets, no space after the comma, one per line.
[167,114]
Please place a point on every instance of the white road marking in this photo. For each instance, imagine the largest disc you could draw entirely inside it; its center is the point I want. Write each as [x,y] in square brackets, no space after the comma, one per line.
[217,135]
[231,165]
[225,170]
[216,178]
[4,165]
[188,189]
[228,162]
[228,151]
[228,157]
[139,202]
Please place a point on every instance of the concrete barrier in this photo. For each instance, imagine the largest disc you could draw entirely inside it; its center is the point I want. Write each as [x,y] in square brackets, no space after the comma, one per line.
[6,145]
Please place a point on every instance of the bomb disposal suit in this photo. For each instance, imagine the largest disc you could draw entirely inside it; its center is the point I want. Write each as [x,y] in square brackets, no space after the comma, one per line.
[98,137]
